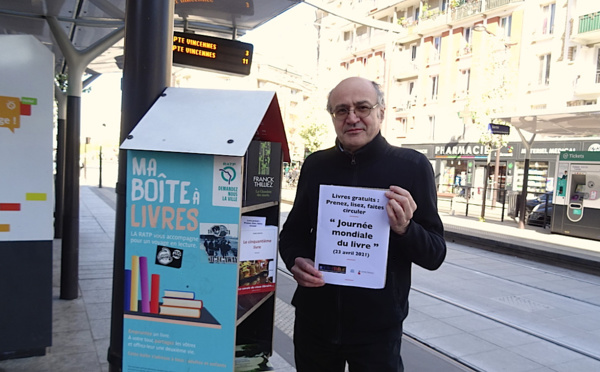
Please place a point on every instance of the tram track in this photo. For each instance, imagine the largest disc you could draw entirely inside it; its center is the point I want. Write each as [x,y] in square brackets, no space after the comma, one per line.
[284,326]
[494,274]
[505,323]
[544,271]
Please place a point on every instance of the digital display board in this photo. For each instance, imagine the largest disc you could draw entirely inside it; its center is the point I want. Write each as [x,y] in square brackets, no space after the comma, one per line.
[212,53]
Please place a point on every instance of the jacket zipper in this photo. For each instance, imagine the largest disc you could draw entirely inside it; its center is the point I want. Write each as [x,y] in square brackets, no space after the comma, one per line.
[338,339]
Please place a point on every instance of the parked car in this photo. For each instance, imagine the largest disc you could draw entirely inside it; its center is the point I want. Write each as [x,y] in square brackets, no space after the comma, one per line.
[532,203]
[540,214]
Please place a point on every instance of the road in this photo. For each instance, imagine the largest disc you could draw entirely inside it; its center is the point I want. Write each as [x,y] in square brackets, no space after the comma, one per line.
[490,312]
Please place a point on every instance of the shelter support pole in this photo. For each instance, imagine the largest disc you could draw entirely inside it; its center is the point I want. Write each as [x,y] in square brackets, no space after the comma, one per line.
[522,208]
[76,62]
[146,74]
[59,178]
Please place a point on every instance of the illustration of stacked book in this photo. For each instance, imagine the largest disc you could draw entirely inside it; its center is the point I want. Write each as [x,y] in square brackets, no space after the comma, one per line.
[142,298]
[180,303]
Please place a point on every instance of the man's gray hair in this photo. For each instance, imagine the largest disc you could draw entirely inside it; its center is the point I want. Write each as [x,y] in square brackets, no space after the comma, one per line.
[377,87]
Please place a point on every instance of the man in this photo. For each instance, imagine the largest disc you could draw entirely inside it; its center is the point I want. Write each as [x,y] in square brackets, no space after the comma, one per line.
[336,324]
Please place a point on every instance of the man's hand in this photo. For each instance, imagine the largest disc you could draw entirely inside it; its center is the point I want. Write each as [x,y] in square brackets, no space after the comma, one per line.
[305,273]
[400,209]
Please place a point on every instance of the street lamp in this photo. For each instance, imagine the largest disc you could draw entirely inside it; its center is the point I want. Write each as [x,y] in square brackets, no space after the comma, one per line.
[495,95]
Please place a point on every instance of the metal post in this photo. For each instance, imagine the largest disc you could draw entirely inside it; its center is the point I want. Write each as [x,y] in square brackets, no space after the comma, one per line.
[524,193]
[100,168]
[77,62]
[485,186]
[527,145]
[496,186]
[146,73]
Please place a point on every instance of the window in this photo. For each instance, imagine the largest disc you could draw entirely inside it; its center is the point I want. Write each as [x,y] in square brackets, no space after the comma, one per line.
[413,51]
[434,87]
[467,38]
[572,53]
[468,35]
[431,126]
[362,32]
[347,35]
[544,77]
[548,19]
[465,82]
[505,26]
[597,66]
[445,5]
[402,127]
[412,96]
[437,48]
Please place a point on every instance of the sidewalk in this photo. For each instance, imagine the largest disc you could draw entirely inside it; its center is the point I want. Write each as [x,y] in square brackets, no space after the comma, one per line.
[81,327]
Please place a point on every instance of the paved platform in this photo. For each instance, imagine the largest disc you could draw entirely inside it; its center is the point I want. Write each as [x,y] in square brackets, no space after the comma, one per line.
[81,327]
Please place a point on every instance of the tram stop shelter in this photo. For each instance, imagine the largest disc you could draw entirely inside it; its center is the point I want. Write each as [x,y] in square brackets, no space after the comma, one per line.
[579,121]
[87,38]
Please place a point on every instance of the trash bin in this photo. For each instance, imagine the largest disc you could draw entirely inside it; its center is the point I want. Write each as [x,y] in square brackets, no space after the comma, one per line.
[514,203]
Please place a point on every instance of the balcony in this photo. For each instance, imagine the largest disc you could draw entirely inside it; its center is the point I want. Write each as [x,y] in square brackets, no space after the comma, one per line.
[464,51]
[493,4]
[407,103]
[466,10]
[587,86]
[588,30]
[434,20]
[405,70]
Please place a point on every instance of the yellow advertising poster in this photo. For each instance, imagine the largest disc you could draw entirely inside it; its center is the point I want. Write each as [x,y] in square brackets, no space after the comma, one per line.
[10,113]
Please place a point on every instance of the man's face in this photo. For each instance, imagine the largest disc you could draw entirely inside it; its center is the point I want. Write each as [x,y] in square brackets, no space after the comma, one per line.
[352,131]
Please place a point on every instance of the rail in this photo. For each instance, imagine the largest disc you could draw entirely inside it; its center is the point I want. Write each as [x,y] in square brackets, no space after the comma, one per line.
[468,201]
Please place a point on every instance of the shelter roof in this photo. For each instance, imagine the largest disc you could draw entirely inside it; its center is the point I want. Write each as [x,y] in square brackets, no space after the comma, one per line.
[577,121]
[88,21]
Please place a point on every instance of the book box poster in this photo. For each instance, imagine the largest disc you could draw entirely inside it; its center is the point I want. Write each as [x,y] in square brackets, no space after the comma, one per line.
[181,261]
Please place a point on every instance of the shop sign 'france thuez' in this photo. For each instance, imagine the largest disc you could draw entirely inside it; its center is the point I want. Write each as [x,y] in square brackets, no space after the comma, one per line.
[212,53]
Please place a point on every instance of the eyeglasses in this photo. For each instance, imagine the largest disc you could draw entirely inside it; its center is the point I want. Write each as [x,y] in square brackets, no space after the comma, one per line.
[361,111]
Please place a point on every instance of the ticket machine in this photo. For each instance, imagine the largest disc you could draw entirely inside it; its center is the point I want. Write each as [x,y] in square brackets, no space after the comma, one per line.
[576,209]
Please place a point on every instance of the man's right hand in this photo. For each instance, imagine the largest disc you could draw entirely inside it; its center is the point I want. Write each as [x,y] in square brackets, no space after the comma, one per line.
[306,274]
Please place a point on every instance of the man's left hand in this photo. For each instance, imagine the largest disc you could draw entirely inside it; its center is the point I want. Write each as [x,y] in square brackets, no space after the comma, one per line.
[400,209]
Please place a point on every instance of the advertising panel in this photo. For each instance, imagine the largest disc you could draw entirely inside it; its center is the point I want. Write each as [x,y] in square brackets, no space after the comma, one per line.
[26,99]
[181,255]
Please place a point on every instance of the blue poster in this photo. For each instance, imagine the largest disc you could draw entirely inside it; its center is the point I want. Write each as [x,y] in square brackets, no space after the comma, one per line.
[181,254]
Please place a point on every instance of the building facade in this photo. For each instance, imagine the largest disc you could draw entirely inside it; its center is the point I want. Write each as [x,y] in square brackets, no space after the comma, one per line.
[448,67]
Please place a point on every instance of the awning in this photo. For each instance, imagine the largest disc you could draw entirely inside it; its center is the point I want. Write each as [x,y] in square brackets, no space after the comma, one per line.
[578,121]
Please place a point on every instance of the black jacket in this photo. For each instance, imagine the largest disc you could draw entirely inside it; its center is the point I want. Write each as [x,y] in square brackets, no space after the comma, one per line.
[352,314]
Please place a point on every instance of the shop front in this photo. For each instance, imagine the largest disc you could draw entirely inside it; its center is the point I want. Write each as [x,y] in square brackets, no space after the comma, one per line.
[460,168]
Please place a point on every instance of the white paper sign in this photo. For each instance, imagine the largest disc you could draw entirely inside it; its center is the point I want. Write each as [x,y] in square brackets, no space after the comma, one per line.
[249,222]
[258,243]
[353,233]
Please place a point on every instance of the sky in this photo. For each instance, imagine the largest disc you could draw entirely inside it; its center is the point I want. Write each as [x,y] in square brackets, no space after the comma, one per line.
[288,39]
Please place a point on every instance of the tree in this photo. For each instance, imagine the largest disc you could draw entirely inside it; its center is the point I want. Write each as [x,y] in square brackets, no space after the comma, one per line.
[489,100]
[312,134]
